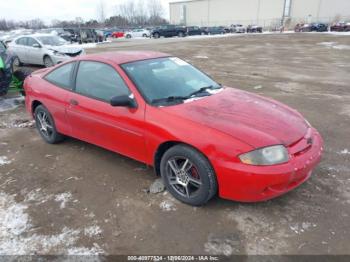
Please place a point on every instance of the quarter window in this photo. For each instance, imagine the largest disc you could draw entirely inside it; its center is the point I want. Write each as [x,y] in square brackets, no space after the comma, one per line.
[61,76]
[31,41]
[22,41]
[100,81]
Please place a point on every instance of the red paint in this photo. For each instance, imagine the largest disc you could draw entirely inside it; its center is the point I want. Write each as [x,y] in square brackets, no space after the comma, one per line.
[117,34]
[221,126]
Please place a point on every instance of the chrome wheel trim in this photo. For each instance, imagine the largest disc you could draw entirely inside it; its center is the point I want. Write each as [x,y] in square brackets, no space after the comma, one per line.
[180,173]
[44,124]
[48,62]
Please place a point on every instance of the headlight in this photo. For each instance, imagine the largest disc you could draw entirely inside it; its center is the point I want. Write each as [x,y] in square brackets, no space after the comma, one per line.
[271,155]
[56,53]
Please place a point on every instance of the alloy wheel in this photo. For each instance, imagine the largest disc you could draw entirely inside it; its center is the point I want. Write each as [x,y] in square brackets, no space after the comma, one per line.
[183,176]
[45,126]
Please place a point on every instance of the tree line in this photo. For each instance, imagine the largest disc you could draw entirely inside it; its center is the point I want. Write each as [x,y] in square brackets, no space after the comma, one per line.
[130,13]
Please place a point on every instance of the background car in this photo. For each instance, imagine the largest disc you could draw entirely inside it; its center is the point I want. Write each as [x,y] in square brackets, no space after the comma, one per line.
[169,31]
[341,27]
[254,29]
[118,34]
[138,32]
[41,49]
[213,30]
[238,28]
[193,30]
[319,27]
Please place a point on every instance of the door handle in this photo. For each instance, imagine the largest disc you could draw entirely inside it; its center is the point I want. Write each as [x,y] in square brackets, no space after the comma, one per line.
[73,102]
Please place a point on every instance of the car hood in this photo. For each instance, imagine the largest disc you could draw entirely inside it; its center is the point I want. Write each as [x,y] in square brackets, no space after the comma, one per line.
[66,49]
[253,119]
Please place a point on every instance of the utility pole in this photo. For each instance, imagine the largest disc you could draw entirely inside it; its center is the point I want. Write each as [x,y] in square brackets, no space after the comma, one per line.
[319,9]
[258,13]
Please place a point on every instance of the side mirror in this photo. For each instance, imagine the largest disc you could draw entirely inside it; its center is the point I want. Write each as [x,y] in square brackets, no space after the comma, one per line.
[36,45]
[124,100]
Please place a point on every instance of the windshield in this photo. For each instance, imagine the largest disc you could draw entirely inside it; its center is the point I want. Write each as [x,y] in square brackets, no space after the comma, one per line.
[169,80]
[52,40]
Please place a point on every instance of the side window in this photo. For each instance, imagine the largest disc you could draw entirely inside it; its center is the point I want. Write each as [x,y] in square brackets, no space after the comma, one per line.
[31,41]
[100,81]
[22,41]
[61,76]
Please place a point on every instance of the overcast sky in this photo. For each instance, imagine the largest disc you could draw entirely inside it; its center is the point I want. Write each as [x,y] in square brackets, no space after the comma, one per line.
[48,10]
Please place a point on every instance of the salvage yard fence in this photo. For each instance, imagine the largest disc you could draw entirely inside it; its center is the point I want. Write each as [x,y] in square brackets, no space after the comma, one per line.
[271,24]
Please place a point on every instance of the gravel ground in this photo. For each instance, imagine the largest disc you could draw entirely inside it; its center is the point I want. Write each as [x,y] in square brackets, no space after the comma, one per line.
[76,198]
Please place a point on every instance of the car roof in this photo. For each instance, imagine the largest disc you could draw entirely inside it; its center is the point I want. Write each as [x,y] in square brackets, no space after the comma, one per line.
[121,57]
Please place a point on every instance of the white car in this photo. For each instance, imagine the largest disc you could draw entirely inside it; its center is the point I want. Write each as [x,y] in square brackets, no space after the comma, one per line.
[138,33]
[238,28]
[42,49]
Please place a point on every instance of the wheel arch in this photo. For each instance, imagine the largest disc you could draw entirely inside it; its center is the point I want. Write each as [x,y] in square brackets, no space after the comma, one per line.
[34,105]
[165,146]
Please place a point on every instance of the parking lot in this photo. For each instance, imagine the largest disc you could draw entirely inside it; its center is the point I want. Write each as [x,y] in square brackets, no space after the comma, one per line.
[77,198]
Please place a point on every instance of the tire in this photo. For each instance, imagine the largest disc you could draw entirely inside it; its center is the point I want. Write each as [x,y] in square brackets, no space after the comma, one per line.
[51,135]
[48,61]
[194,173]
[16,62]
[180,34]
[144,35]
[156,35]
[128,36]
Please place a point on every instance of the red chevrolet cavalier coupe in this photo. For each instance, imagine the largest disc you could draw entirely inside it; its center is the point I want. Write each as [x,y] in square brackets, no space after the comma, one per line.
[201,137]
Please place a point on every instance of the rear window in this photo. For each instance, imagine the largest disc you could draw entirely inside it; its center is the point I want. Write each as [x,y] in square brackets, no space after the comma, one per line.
[61,76]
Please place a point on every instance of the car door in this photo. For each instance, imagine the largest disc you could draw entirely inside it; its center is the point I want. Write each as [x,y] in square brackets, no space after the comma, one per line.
[34,52]
[94,120]
[60,82]
[20,49]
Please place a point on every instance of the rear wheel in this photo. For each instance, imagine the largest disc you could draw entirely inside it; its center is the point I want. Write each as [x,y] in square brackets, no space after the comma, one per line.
[17,62]
[46,125]
[188,175]
[48,61]
[128,36]
[144,35]
[156,35]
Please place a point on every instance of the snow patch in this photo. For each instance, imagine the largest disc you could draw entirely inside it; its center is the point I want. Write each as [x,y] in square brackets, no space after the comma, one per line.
[92,231]
[4,160]
[17,237]
[344,152]
[299,228]
[167,205]
[63,198]
[10,103]
[201,57]
[335,46]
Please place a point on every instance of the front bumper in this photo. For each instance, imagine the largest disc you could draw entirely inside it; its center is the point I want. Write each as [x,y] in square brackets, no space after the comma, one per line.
[247,183]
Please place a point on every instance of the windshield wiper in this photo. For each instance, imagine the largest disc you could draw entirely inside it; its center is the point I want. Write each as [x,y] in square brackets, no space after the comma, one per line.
[169,99]
[203,90]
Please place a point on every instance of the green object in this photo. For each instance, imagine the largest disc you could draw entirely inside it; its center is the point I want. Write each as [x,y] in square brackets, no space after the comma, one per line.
[16,85]
[2,64]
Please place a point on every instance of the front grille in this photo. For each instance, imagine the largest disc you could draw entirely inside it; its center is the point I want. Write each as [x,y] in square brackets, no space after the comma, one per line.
[74,54]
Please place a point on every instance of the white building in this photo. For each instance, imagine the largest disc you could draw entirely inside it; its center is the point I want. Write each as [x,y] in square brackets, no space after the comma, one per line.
[267,13]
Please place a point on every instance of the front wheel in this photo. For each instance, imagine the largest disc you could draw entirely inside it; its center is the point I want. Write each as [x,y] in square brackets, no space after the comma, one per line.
[46,125]
[48,61]
[188,175]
